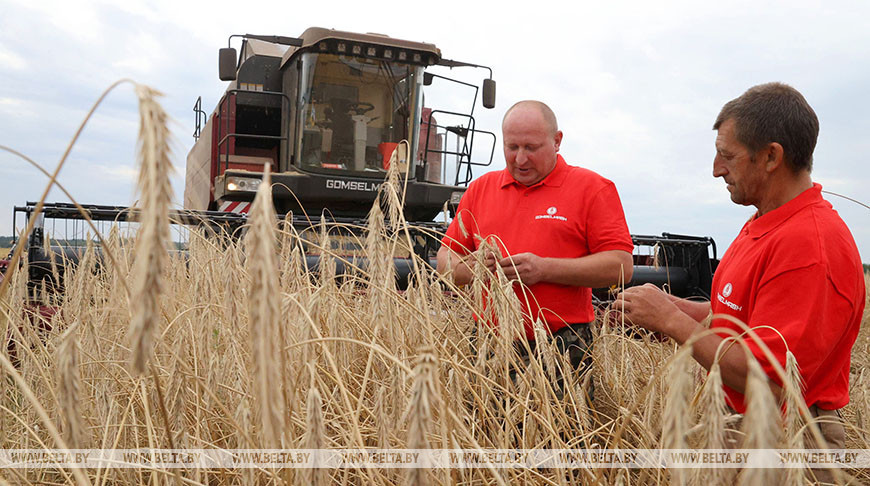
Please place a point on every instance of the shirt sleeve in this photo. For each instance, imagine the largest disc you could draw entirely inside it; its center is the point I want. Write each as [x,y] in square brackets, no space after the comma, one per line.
[460,233]
[798,304]
[605,222]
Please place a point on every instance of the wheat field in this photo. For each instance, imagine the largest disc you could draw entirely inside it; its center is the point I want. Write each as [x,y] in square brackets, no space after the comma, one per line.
[236,345]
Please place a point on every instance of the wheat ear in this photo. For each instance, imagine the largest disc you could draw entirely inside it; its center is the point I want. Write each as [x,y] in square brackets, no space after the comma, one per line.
[761,424]
[675,419]
[70,386]
[156,194]
[420,411]
[315,435]
[712,412]
[264,308]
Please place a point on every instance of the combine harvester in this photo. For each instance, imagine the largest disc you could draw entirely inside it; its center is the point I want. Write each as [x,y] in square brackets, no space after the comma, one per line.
[325,112]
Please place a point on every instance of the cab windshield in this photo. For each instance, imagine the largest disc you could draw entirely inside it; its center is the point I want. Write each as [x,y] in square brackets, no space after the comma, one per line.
[353,112]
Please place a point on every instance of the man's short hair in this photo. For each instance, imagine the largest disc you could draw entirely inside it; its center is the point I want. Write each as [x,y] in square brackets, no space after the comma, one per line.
[774,112]
[546,113]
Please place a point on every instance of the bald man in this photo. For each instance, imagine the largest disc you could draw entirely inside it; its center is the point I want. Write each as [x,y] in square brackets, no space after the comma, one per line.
[560,229]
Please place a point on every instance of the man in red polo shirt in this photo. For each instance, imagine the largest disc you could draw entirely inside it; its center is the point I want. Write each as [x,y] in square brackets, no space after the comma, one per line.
[560,229]
[794,266]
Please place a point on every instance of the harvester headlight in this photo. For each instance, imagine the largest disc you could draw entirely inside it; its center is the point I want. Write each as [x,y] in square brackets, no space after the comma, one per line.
[342,47]
[357,50]
[388,53]
[403,56]
[417,57]
[243,184]
[371,52]
[455,196]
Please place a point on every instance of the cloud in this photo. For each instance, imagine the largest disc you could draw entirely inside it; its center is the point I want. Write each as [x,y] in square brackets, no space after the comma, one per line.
[116,173]
[140,56]
[11,60]
[15,107]
[75,19]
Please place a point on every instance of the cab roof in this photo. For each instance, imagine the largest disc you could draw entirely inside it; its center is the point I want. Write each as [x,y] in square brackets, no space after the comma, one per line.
[314,35]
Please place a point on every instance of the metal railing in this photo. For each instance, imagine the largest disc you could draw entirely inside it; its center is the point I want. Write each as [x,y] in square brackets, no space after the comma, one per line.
[200,116]
[465,134]
[223,145]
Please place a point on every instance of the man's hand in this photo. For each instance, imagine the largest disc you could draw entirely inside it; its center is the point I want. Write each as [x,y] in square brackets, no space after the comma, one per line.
[490,260]
[522,266]
[461,265]
[648,307]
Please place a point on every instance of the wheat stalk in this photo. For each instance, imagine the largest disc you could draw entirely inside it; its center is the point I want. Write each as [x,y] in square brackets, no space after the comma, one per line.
[762,427]
[712,412]
[156,193]
[792,395]
[69,390]
[315,435]
[676,413]
[420,408]
[261,264]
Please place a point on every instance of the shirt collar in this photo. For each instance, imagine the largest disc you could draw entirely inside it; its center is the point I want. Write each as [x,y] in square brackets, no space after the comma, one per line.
[758,226]
[554,179]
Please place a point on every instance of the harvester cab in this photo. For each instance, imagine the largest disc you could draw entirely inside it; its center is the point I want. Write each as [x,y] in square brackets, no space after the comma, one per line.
[325,112]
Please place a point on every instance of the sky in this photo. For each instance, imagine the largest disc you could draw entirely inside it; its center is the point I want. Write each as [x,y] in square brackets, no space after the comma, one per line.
[636,87]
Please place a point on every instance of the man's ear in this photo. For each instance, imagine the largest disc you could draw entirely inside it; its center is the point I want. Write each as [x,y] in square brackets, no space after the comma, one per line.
[558,139]
[773,156]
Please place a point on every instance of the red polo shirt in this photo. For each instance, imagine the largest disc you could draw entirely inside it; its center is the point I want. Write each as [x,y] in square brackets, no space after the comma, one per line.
[571,213]
[797,270]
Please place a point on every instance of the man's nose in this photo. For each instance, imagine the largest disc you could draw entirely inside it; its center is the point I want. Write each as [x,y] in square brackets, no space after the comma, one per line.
[719,169]
[522,156]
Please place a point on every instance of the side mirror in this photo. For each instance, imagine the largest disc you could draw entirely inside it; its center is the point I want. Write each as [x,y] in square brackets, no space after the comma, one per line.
[489,93]
[227,64]
[427,79]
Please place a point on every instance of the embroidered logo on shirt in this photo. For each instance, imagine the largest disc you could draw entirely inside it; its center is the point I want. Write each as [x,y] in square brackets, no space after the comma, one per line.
[726,292]
[551,214]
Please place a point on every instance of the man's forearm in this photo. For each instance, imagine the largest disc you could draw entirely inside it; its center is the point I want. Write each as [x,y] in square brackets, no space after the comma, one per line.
[697,310]
[595,271]
[450,262]
[732,360]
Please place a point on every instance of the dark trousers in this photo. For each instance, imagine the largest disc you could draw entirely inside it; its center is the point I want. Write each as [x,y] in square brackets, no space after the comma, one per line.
[573,339]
